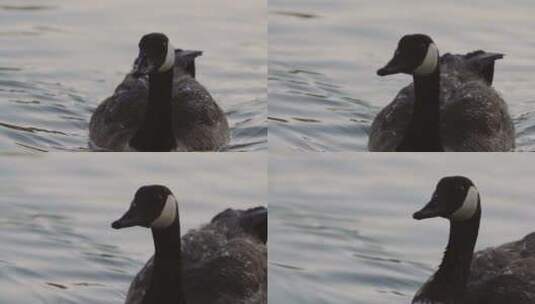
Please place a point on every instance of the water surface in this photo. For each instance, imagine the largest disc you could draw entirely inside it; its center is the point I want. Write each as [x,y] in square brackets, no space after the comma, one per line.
[59,59]
[341,228]
[57,243]
[323,58]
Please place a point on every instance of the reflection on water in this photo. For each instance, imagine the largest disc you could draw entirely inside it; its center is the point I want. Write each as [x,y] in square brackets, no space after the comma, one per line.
[341,229]
[60,59]
[324,55]
[57,244]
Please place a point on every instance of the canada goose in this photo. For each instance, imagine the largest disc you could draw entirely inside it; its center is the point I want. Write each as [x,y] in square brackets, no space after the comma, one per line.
[159,106]
[450,106]
[223,262]
[504,274]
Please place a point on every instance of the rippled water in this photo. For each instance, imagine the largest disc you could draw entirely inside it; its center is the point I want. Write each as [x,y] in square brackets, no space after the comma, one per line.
[323,55]
[59,59]
[341,227]
[57,244]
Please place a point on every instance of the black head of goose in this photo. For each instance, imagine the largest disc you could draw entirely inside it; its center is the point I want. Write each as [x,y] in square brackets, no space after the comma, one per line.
[155,207]
[449,107]
[456,199]
[465,278]
[223,262]
[159,106]
[157,60]
[418,55]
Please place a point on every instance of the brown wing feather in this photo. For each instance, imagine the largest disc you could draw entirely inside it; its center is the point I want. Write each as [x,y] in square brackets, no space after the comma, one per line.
[199,123]
[504,274]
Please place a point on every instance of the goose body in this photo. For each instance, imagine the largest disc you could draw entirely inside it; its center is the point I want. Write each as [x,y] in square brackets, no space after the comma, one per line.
[223,262]
[160,111]
[453,108]
[505,274]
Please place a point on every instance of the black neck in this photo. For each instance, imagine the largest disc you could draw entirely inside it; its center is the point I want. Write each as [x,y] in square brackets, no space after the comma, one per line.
[156,133]
[166,283]
[423,133]
[449,282]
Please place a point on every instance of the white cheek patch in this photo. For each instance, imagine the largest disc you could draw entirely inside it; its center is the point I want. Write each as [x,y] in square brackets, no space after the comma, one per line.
[169,62]
[168,215]
[469,207]
[430,62]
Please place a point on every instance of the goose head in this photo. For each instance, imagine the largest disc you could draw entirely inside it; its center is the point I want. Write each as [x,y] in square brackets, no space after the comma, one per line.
[156,55]
[455,198]
[153,206]
[416,54]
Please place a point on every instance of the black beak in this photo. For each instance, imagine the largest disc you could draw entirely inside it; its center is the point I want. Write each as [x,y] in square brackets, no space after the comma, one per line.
[129,219]
[391,68]
[394,66]
[388,70]
[142,65]
[430,210]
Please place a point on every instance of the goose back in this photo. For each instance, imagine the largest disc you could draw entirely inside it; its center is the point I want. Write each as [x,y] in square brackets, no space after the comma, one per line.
[504,274]
[199,123]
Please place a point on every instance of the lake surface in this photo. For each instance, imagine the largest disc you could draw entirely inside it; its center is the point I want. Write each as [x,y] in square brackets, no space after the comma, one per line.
[341,228]
[59,59]
[323,58]
[57,243]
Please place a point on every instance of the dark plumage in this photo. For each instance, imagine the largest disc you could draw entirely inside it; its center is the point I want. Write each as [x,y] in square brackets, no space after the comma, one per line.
[472,115]
[197,122]
[223,262]
[504,274]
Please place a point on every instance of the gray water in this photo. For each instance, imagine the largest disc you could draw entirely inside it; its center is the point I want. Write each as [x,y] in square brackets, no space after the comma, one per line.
[323,58]
[57,243]
[59,59]
[341,228]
